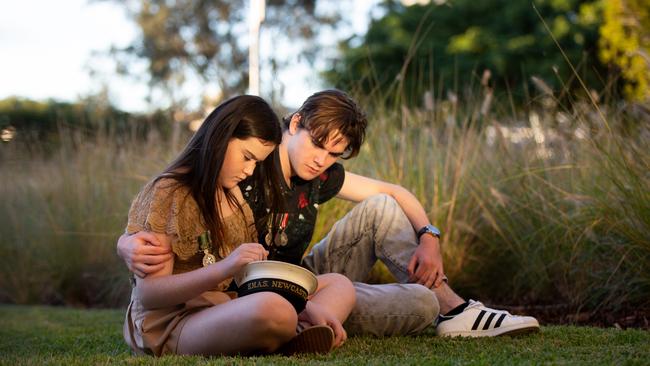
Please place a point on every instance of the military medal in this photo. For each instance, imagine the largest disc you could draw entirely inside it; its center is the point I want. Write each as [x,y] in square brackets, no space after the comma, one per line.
[281,238]
[268,238]
[208,258]
[205,243]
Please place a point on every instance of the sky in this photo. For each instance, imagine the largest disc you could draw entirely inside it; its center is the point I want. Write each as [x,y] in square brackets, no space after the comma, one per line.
[47,49]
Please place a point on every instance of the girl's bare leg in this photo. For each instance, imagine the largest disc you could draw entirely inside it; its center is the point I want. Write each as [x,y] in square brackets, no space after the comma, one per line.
[335,294]
[257,323]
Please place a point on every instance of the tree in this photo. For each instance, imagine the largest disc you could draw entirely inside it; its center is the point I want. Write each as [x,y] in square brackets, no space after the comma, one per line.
[207,40]
[39,125]
[449,44]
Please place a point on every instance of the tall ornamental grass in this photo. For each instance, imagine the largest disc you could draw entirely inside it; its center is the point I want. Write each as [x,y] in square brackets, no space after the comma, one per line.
[548,205]
[538,205]
[61,214]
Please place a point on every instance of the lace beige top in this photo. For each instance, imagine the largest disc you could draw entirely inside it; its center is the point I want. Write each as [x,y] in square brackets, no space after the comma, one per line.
[168,208]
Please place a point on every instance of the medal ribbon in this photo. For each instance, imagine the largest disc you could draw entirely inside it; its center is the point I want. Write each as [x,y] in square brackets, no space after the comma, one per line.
[205,241]
[283,222]
[205,244]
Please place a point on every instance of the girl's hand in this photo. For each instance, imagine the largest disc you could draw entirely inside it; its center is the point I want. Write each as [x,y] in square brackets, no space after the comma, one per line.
[242,255]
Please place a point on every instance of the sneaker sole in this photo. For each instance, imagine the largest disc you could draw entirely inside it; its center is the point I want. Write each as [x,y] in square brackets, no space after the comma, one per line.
[503,331]
[317,339]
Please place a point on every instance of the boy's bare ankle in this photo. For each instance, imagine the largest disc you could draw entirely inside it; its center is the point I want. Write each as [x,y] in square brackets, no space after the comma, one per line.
[447,298]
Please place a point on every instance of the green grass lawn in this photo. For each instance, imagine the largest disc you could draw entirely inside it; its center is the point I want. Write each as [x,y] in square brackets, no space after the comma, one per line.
[47,335]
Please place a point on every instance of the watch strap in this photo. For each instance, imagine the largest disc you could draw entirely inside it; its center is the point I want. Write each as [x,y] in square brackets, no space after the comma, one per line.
[429,229]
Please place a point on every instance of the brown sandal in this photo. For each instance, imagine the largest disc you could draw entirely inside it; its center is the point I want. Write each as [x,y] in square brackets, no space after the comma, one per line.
[316,339]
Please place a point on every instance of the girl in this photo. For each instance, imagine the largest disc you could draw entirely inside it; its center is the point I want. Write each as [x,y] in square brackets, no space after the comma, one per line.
[196,208]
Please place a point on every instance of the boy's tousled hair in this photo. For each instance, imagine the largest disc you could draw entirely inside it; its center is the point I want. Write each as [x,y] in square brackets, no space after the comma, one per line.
[332,110]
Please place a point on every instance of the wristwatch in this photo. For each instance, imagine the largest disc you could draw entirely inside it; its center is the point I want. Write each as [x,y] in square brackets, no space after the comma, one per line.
[429,229]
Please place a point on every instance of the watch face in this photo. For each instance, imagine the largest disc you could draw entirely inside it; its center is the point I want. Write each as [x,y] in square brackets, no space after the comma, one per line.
[433,230]
[429,229]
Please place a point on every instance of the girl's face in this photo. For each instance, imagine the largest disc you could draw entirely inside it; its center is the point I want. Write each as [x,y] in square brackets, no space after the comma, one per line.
[241,158]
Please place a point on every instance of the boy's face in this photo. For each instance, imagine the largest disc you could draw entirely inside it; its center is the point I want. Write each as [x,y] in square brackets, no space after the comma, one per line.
[309,159]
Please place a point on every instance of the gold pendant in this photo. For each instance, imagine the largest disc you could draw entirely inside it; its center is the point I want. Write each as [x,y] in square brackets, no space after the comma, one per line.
[281,239]
[208,258]
[268,238]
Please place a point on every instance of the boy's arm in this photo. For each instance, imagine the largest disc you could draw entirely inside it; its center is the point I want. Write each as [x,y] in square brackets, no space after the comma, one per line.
[425,266]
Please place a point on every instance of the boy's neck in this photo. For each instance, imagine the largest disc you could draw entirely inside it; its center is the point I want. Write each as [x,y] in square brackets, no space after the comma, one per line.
[285,163]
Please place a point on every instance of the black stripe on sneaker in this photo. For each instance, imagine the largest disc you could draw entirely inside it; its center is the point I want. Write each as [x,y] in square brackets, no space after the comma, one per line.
[488,321]
[498,324]
[442,318]
[478,320]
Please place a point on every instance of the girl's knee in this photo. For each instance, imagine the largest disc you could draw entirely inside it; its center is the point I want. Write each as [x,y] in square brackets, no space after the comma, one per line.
[330,279]
[343,285]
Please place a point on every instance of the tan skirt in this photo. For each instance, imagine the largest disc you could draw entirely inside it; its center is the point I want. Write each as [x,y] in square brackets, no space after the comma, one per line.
[156,332]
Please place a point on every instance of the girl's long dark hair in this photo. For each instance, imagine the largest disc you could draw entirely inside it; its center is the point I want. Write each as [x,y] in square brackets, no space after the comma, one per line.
[198,165]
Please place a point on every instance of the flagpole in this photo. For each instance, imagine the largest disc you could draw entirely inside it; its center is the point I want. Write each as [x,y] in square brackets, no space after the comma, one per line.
[257,13]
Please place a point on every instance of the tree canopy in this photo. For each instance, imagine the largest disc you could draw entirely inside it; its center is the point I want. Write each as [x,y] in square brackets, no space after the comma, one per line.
[448,45]
[208,40]
[625,42]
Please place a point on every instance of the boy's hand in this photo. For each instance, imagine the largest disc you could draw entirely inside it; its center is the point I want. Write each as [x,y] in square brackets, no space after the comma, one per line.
[425,266]
[143,253]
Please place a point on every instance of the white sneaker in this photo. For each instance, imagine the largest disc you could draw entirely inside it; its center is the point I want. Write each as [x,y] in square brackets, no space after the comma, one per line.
[480,321]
